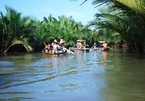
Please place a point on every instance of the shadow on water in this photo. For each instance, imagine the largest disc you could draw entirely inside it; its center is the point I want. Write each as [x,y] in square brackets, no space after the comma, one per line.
[84,76]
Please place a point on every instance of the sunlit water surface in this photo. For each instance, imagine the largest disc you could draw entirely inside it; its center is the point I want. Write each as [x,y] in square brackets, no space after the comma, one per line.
[84,76]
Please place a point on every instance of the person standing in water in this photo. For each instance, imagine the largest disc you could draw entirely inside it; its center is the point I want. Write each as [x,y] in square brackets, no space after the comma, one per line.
[105,47]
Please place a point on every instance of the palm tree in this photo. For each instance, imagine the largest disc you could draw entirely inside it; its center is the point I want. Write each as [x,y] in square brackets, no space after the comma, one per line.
[14,29]
[128,21]
[62,27]
[106,23]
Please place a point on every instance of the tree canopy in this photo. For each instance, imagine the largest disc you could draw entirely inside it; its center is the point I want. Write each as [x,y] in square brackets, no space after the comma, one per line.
[118,22]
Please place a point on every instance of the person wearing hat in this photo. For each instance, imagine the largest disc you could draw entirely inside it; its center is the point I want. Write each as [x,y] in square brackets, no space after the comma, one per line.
[105,47]
[78,44]
[61,42]
[54,45]
[55,41]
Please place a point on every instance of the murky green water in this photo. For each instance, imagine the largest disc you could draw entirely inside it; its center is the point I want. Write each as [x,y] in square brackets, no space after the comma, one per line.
[91,76]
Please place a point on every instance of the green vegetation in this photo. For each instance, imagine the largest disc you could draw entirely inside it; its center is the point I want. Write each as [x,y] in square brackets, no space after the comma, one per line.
[32,33]
[14,29]
[125,19]
[117,22]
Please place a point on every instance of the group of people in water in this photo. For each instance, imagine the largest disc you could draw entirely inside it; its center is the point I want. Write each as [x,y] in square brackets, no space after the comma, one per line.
[58,47]
[54,47]
[104,46]
[80,44]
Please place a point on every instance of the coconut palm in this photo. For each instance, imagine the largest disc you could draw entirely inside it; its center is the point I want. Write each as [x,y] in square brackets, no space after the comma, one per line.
[128,21]
[62,27]
[14,27]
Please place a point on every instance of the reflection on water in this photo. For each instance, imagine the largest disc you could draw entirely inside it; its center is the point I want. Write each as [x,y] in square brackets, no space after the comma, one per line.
[84,76]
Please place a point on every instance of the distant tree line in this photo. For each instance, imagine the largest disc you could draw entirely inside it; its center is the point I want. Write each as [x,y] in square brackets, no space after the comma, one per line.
[116,23]
[32,33]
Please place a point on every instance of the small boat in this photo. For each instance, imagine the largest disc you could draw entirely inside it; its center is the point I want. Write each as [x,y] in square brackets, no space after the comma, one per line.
[79,49]
[100,48]
[106,49]
[60,52]
[96,48]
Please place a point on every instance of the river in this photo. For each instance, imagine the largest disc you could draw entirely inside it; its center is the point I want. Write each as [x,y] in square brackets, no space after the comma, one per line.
[84,76]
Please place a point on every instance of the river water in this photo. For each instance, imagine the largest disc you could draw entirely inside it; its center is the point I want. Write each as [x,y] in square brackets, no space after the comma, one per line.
[84,76]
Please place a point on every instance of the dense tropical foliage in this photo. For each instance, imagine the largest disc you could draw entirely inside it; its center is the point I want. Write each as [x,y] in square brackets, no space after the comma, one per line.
[125,19]
[117,22]
[15,29]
